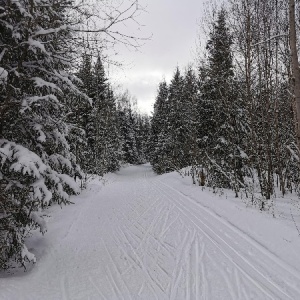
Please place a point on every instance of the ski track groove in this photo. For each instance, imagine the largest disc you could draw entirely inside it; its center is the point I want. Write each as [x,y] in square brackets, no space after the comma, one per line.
[142,266]
[178,267]
[96,287]
[146,252]
[169,226]
[63,288]
[200,265]
[257,245]
[260,285]
[146,232]
[188,279]
[114,284]
[263,286]
[118,272]
[197,268]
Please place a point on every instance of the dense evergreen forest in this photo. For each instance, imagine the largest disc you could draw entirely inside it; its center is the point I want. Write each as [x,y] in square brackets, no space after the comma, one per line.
[232,118]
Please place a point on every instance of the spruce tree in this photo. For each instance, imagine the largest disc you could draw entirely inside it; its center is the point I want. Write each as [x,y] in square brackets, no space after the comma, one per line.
[36,163]
[220,112]
[159,143]
[127,130]
[191,101]
[176,121]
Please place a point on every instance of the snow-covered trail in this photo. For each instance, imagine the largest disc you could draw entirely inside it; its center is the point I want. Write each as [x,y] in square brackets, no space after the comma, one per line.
[139,237]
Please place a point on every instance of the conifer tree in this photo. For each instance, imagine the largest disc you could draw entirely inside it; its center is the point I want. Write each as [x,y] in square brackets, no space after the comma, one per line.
[191,102]
[219,111]
[127,130]
[176,122]
[142,136]
[159,143]
[80,116]
[36,163]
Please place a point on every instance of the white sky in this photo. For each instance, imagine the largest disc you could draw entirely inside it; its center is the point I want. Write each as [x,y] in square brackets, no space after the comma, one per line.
[174,25]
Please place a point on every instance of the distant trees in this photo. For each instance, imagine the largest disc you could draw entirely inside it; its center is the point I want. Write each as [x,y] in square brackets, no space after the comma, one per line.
[134,131]
[98,120]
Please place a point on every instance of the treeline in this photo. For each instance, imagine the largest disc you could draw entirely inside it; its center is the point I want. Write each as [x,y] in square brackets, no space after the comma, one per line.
[233,118]
[57,121]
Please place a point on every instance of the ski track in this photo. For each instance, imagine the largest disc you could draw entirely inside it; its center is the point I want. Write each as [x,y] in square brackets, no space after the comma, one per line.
[269,287]
[140,238]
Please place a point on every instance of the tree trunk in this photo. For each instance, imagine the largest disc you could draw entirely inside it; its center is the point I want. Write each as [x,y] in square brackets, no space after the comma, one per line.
[295,67]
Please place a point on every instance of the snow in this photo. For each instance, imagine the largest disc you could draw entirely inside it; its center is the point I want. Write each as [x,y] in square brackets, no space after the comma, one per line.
[26,254]
[40,221]
[25,161]
[136,235]
[34,44]
[42,136]
[1,56]
[27,102]
[39,82]
[41,191]
[43,31]
[3,75]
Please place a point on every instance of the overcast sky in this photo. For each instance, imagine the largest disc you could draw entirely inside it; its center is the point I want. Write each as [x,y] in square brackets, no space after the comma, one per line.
[174,25]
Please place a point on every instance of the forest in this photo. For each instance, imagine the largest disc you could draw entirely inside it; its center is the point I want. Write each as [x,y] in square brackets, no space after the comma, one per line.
[231,117]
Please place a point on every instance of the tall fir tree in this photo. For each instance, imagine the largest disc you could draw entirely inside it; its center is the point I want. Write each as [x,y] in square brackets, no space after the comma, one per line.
[219,110]
[176,121]
[159,142]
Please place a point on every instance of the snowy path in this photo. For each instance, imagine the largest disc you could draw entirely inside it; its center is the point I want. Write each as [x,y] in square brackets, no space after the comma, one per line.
[141,238]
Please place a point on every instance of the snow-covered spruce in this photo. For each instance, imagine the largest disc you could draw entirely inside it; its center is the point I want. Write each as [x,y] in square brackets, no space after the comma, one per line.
[35,84]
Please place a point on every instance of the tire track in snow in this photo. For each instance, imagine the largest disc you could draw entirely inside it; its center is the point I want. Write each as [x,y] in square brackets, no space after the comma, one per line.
[268,287]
